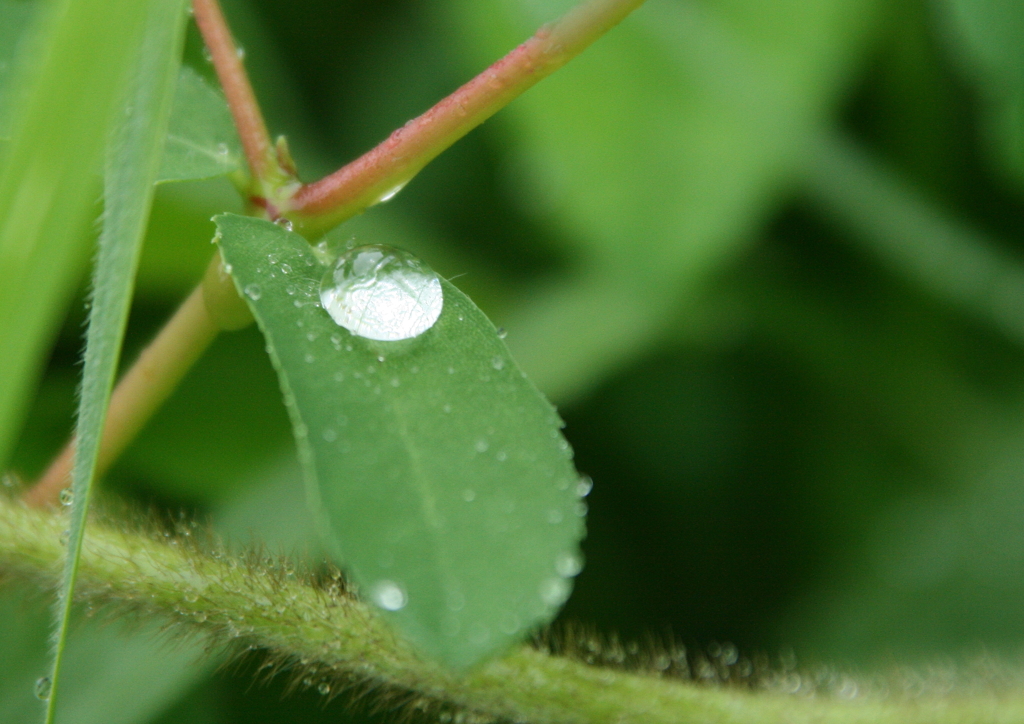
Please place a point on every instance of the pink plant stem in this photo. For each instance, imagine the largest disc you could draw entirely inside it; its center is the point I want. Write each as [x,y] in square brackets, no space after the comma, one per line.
[233,79]
[139,393]
[383,170]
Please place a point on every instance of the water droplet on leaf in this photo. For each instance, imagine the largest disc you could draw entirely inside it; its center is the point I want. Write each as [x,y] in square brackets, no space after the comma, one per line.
[391,193]
[382,293]
[554,591]
[389,595]
[253,291]
[568,564]
[43,687]
[67,497]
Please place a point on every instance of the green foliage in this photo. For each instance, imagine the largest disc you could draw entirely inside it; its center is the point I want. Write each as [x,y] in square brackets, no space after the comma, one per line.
[988,37]
[758,252]
[131,171]
[47,186]
[201,141]
[428,460]
[15,19]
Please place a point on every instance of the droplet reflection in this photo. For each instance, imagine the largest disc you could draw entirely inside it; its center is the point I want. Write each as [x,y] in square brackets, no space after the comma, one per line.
[382,293]
[389,595]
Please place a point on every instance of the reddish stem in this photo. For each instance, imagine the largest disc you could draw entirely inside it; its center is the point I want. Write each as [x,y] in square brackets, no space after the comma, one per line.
[139,393]
[237,89]
[380,172]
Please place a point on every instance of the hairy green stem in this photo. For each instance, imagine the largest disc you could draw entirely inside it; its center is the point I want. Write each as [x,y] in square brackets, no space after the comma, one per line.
[330,639]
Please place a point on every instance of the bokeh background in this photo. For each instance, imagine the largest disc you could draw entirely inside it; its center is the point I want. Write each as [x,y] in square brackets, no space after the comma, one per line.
[765,255]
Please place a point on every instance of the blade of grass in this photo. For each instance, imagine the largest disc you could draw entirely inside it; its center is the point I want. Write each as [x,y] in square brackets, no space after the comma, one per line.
[132,164]
[48,186]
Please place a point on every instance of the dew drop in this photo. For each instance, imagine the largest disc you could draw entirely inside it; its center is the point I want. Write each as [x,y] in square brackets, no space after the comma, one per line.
[584,486]
[66,497]
[287,225]
[329,435]
[481,445]
[554,516]
[207,55]
[253,291]
[43,687]
[568,564]
[286,268]
[469,495]
[498,363]
[324,688]
[391,193]
[309,358]
[240,52]
[389,595]
[223,150]
[382,293]
[554,591]
[502,333]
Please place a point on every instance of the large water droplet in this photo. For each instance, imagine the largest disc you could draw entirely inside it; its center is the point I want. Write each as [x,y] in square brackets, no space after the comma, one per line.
[382,293]
[66,497]
[43,687]
[389,595]
[253,291]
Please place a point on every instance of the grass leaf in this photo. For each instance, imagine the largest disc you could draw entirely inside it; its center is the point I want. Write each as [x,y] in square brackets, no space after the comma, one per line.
[48,186]
[436,469]
[15,20]
[132,164]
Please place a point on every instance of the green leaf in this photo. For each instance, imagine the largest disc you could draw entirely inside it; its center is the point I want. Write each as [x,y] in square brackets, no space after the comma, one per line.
[988,35]
[15,21]
[435,468]
[201,141]
[102,662]
[48,183]
[133,160]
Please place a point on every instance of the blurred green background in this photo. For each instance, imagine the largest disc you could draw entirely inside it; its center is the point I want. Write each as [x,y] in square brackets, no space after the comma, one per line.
[765,255]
